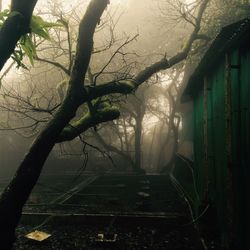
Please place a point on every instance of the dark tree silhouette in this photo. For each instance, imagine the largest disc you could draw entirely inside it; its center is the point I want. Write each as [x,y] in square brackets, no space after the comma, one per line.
[58,129]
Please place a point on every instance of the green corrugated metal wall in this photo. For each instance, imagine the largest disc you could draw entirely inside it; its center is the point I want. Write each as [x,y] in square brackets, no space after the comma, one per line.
[216,132]
[243,143]
[236,131]
[216,142]
[198,145]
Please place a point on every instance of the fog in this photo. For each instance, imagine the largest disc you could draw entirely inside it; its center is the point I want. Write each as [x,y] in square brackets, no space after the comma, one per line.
[140,17]
[105,111]
[155,30]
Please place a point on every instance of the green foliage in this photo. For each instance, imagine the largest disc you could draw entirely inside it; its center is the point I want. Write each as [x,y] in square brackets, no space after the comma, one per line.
[41,28]
[3,15]
[18,56]
[26,46]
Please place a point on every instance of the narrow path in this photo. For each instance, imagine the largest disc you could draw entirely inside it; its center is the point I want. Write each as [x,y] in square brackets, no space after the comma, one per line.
[145,212]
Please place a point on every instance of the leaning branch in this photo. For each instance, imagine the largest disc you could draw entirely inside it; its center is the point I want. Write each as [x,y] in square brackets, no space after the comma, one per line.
[85,41]
[165,63]
[123,87]
[73,130]
[56,64]
[128,86]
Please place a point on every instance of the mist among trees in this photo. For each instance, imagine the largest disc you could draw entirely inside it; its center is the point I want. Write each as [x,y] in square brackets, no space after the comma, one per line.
[97,85]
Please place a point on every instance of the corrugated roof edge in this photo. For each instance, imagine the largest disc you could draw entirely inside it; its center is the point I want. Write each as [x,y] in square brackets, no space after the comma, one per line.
[229,37]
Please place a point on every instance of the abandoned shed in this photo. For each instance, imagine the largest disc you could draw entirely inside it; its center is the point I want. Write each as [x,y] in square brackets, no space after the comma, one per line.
[220,91]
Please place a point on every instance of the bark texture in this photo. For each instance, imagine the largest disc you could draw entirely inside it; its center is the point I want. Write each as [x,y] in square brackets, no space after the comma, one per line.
[17,192]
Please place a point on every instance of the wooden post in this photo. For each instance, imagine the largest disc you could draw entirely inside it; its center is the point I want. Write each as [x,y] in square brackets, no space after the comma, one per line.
[229,182]
[205,133]
[228,112]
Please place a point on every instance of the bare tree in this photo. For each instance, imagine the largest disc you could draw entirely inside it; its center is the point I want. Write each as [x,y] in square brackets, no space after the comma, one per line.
[15,195]
[59,127]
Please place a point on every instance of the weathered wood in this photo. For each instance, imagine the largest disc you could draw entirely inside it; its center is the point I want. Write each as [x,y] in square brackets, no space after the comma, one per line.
[205,132]
[228,125]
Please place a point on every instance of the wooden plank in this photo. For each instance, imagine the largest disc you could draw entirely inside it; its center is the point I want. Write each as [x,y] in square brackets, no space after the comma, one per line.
[205,134]
[228,120]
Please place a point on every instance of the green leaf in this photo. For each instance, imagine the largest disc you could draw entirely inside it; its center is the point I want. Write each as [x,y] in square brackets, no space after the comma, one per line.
[51,25]
[39,20]
[4,14]
[17,56]
[40,27]
[28,48]
[25,46]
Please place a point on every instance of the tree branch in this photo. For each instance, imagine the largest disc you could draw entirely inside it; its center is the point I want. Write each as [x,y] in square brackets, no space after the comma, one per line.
[128,40]
[111,148]
[56,64]
[85,40]
[105,114]
[182,55]
[128,86]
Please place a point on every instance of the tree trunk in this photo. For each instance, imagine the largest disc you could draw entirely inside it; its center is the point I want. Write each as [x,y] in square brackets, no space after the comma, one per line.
[163,149]
[111,148]
[175,130]
[17,192]
[138,134]
[126,137]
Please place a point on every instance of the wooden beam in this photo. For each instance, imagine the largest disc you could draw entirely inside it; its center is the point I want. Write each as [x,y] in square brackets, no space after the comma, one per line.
[232,236]
[205,132]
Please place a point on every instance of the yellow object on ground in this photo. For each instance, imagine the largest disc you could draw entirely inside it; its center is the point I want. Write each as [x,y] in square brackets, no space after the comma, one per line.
[38,235]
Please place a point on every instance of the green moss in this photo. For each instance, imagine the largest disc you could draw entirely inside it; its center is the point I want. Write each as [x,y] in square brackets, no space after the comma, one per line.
[108,110]
[104,113]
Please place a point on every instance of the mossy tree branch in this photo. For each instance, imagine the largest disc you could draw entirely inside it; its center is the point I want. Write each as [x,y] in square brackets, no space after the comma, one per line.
[105,114]
[17,192]
[128,86]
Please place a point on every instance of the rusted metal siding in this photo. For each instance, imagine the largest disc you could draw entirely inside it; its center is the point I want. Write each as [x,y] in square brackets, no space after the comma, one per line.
[222,140]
